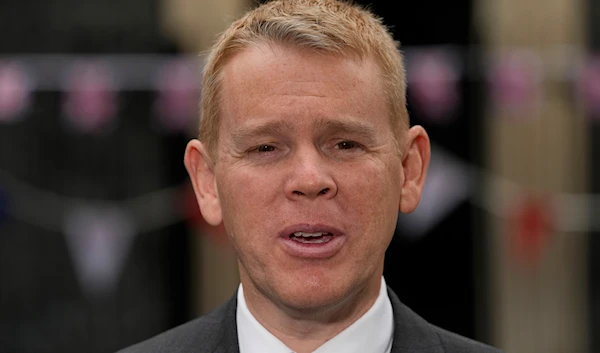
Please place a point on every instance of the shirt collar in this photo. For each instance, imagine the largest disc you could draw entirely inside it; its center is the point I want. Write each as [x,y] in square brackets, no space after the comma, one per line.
[372,332]
[252,336]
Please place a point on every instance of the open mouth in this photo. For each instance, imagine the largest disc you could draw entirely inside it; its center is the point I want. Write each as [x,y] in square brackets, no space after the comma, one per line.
[311,238]
[312,241]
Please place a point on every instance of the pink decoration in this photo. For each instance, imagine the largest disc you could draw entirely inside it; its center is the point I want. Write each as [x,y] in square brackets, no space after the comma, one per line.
[588,85]
[515,81]
[15,91]
[434,91]
[176,107]
[91,102]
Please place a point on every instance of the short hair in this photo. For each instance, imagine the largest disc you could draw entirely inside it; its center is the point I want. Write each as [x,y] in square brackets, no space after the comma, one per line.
[328,26]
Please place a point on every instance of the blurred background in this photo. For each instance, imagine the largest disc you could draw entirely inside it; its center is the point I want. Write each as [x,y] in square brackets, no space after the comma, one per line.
[101,243]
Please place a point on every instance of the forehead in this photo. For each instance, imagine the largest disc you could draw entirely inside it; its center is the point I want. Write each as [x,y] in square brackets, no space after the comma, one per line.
[278,81]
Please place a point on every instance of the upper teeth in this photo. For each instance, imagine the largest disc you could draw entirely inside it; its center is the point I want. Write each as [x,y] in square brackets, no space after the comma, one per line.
[306,235]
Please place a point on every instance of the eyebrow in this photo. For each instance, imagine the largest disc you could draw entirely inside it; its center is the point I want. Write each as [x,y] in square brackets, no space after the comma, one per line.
[279,127]
[268,128]
[354,127]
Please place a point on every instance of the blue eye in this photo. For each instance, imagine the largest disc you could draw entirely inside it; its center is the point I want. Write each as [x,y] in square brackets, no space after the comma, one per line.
[346,145]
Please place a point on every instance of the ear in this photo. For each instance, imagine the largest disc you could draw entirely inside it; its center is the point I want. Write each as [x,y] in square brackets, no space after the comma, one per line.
[200,168]
[414,164]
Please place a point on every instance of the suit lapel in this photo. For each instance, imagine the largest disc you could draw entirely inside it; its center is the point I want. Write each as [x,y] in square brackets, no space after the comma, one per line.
[411,332]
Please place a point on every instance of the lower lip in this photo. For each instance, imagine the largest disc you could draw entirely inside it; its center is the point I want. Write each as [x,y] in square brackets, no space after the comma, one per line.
[313,250]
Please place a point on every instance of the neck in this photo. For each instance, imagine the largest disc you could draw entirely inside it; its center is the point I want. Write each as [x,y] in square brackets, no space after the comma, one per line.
[304,330]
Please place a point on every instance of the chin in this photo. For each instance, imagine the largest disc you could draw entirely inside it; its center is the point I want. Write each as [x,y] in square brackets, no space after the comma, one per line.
[309,295]
[313,304]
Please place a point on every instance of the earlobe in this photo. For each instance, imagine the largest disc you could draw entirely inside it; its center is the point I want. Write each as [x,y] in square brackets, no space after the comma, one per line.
[199,166]
[414,165]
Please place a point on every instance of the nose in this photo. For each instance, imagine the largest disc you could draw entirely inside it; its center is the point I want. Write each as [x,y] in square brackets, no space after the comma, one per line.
[310,177]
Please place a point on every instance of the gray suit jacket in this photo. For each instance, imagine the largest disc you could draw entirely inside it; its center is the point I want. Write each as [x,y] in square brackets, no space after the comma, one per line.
[217,333]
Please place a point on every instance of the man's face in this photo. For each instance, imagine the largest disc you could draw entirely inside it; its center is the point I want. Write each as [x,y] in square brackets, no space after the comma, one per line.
[307,174]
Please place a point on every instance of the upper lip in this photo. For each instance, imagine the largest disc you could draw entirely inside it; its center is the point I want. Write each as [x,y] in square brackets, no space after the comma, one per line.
[309,228]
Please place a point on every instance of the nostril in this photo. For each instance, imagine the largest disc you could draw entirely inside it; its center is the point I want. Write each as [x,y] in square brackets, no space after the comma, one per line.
[322,192]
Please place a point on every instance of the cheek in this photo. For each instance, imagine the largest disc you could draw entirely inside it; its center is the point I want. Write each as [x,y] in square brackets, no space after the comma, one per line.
[373,187]
[373,197]
[245,197]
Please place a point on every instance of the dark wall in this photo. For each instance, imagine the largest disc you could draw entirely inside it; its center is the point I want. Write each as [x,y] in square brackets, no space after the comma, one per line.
[43,308]
[438,274]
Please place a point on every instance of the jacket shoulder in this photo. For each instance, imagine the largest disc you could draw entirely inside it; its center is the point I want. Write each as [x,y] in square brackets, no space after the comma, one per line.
[413,333]
[204,334]
[454,343]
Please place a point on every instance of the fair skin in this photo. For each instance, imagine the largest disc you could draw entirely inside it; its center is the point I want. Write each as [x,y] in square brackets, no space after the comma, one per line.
[305,145]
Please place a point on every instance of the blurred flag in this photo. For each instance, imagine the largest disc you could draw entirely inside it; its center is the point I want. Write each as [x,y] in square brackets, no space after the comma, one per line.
[90,101]
[433,84]
[191,211]
[98,239]
[176,106]
[446,187]
[189,207]
[588,86]
[15,91]
[530,230]
[515,81]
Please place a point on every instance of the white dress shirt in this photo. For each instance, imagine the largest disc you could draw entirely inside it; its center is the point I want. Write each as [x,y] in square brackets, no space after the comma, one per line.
[371,333]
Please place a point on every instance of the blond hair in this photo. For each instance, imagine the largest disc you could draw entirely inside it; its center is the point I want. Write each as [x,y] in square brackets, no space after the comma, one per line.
[329,26]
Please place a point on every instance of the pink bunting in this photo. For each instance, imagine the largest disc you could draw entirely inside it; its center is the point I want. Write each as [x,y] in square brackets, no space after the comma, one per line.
[15,92]
[515,81]
[91,102]
[433,85]
[176,108]
[588,85]
[99,239]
